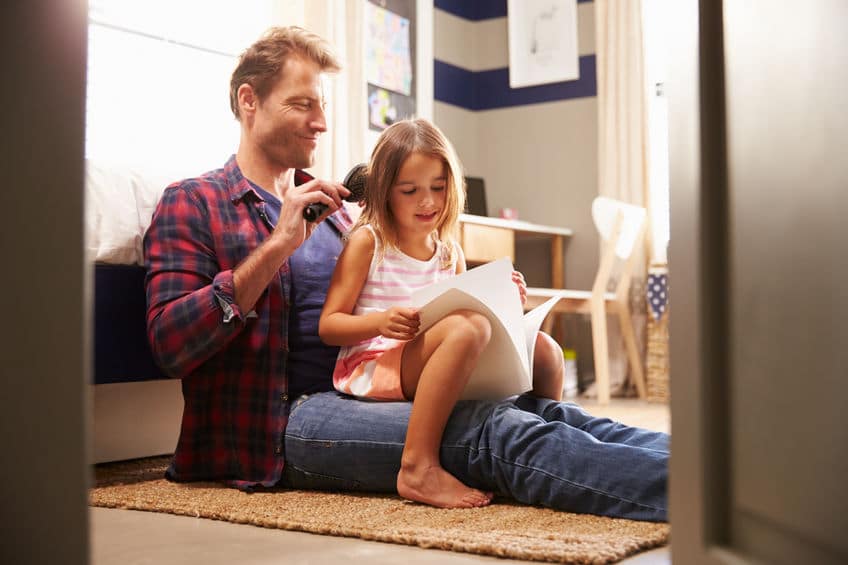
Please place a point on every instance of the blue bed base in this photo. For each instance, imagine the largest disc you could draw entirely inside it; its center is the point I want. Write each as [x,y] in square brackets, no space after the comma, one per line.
[121,351]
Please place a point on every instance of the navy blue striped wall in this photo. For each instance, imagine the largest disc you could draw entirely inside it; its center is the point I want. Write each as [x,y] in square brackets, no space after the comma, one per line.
[489,89]
[476,10]
[486,90]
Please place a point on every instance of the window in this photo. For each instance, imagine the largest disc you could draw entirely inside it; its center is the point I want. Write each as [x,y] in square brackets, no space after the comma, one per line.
[158,80]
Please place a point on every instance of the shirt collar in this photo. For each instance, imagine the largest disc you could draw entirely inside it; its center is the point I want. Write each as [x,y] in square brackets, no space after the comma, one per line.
[239,186]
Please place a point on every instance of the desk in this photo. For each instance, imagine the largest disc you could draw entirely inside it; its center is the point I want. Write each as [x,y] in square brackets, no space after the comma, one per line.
[485,239]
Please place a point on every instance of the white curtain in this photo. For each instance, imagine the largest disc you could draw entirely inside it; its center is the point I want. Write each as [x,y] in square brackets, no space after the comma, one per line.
[340,23]
[623,164]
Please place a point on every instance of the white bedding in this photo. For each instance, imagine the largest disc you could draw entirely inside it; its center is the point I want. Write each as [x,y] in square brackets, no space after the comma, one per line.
[119,201]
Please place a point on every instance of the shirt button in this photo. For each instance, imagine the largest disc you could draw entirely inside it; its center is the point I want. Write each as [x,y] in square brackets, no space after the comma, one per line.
[278,450]
[284,397]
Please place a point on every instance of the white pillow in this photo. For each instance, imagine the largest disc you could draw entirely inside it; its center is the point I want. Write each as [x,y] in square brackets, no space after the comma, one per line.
[119,202]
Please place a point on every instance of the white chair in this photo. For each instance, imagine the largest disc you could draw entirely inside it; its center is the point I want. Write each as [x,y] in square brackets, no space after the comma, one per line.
[621,226]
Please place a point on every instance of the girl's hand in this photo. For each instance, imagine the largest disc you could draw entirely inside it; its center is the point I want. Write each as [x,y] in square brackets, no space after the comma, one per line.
[399,323]
[518,279]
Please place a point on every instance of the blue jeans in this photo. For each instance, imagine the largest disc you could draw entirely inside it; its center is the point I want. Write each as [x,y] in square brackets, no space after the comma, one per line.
[536,451]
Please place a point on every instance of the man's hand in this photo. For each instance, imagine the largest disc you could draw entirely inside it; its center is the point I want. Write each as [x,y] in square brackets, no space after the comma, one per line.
[292,228]
[518,279]
[399,323]
[252,276]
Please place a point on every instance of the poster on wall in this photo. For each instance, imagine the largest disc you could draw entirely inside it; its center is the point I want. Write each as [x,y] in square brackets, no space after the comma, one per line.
[385,107]
[542,41]
[389,61]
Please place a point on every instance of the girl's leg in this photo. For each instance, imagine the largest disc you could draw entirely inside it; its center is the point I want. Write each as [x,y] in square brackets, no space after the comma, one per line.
[434,370]
[548,368]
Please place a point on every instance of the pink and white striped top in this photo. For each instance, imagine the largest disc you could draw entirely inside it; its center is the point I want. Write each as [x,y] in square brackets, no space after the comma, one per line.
[391,280]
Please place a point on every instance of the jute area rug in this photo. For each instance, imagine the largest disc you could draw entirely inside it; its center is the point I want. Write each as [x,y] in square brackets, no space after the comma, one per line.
[503,529]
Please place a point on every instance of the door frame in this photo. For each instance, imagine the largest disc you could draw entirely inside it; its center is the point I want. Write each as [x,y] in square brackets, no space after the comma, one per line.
[699,484]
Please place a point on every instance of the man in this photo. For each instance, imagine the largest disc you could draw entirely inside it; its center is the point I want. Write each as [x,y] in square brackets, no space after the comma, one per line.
[235,286]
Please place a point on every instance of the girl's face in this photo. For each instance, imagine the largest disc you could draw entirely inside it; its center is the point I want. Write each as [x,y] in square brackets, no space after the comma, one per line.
[418,196]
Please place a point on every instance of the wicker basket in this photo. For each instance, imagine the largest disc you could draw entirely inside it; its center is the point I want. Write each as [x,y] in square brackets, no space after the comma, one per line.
[656,361]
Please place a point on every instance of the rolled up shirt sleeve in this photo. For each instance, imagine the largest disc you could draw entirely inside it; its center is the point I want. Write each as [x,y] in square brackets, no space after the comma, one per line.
[191,310]
[225,293]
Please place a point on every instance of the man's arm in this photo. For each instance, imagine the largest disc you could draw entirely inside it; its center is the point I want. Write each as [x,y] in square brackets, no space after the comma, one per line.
[191,312]
[194,309]
[252,276]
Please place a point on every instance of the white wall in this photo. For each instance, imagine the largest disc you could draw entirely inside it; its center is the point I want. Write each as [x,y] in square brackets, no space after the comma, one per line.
[540,159]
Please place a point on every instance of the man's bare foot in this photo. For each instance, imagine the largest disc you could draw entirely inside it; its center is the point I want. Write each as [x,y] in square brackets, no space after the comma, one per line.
[434,486]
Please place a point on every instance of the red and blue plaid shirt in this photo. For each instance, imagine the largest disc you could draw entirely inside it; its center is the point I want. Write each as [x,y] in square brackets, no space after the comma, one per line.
[232,363]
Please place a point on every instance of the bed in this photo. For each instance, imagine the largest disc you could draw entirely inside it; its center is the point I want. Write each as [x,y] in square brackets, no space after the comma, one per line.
[136,409]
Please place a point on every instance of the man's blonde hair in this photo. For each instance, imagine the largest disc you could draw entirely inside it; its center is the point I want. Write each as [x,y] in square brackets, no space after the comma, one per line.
[396,143]
[259,65]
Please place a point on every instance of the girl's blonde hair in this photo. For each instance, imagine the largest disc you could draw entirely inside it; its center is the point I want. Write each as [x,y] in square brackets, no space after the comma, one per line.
[396,143]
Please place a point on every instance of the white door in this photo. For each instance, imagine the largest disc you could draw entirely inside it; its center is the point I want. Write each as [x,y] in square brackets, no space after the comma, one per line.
[758,273]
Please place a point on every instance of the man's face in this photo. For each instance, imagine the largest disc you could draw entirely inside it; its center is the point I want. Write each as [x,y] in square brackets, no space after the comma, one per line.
[288,122]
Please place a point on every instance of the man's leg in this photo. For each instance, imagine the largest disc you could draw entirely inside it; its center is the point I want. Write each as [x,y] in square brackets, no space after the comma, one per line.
[604,429]
[546,453]
[334,442]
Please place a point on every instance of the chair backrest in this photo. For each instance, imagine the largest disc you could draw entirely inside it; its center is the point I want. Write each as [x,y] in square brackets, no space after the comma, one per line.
[621,226]
[605,212]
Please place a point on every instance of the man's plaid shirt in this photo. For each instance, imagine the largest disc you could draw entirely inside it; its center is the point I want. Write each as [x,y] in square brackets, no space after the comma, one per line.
[232,363]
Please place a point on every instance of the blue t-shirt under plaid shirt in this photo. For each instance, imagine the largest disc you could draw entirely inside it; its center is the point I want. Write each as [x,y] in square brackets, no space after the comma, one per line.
[310,360]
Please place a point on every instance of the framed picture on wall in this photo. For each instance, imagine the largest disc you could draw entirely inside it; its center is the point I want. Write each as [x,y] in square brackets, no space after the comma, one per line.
[542,41]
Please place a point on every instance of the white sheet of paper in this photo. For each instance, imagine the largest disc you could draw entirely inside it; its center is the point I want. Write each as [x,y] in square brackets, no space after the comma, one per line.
[505,367]
[533,321]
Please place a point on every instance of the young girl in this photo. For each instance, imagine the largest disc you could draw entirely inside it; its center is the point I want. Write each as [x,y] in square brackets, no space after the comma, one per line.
[406,240]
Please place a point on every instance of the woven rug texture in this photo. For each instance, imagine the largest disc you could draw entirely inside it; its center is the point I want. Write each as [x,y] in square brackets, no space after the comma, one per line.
[502,529]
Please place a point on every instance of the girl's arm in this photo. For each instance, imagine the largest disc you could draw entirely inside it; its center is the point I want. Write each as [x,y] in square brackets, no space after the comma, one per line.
[338,325]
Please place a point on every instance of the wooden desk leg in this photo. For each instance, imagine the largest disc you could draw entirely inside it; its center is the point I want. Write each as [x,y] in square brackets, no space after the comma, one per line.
[557,281]
[557,267]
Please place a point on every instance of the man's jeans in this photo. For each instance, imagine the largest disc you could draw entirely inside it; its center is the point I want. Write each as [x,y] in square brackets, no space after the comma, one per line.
[536,451]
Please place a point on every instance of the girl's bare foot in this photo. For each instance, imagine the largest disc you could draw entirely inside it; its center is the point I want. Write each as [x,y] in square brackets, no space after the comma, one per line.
[433,485]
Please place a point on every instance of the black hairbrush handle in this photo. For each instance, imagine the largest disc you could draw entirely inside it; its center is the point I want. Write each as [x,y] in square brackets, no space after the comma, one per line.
[313,211]
[354,181]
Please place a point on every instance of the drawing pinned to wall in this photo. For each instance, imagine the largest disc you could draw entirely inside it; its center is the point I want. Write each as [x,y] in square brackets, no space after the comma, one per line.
[388,62]
[385,107]
[381,113]
[542,41]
